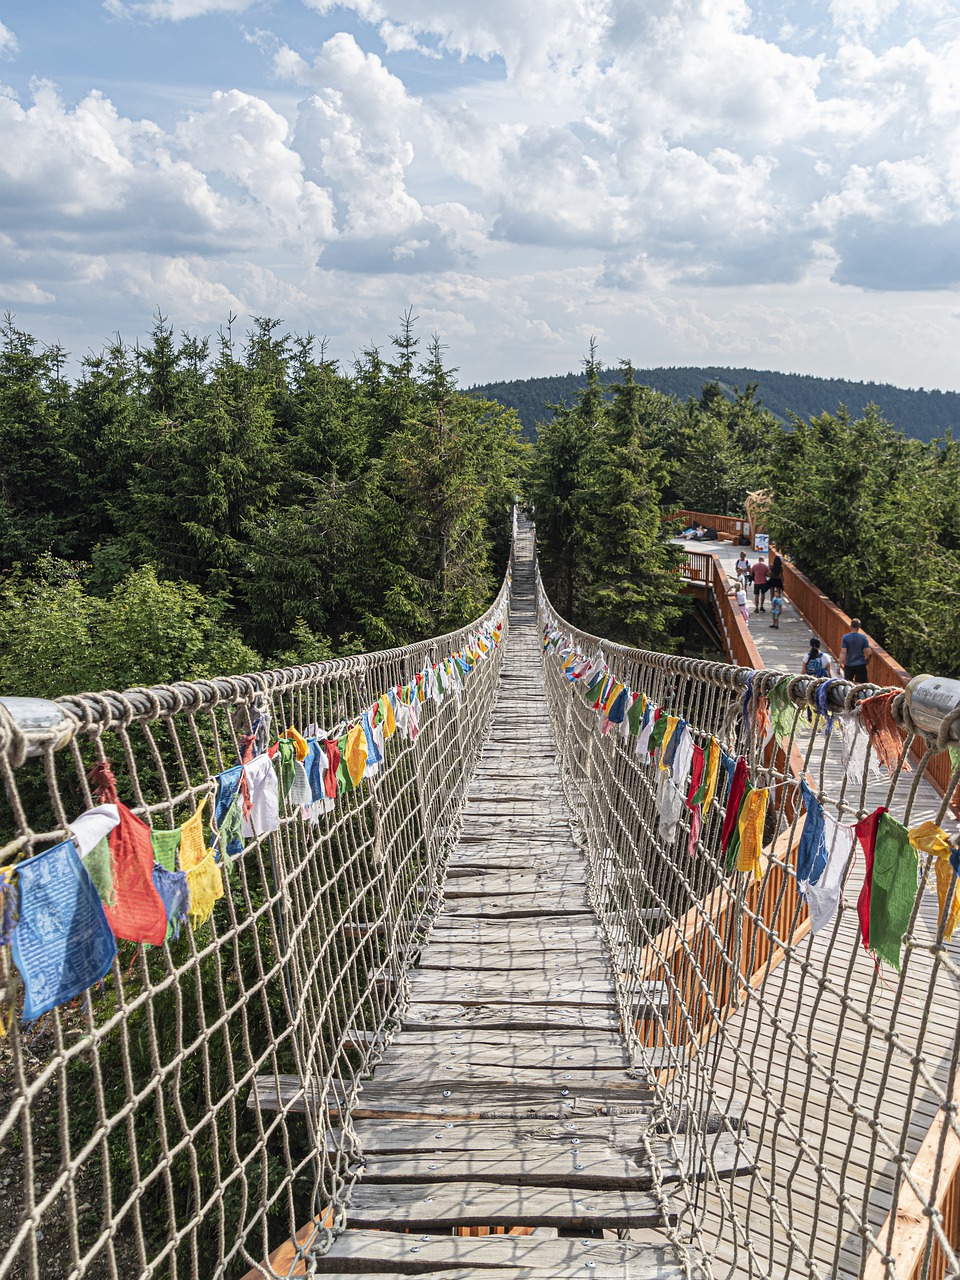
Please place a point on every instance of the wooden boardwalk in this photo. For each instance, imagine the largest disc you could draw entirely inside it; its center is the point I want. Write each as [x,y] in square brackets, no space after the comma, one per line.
[507,1101]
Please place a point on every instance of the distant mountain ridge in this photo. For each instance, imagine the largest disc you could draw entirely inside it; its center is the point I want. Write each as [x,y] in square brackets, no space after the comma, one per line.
[922,414]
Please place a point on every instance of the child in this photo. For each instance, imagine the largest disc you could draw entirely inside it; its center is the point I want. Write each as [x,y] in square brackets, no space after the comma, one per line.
[776,607]
[741,595]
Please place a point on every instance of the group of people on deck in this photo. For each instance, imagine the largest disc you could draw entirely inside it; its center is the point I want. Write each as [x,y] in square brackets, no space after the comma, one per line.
[854,647]
[764,577]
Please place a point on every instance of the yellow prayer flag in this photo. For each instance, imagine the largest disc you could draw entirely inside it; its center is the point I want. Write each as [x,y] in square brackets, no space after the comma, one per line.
[387,718]
[193,848]
[929,838]
[355,753]
[205,885]
[299,743]
[752,817]
[713,772]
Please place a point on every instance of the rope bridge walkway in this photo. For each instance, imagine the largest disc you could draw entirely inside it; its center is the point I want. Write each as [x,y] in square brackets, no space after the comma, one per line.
[510,953]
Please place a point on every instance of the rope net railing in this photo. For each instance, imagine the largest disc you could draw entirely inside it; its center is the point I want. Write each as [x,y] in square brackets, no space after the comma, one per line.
[212,889]
[746,833]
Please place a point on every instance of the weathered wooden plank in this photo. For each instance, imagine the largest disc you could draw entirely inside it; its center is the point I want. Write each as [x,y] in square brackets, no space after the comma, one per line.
[509,1056]
[589,1166]
[434,1207]
[491,1099]
[387,1137]
[515,908]
[423,1015]
[480,1099]
[440,986]
[578,1042]
[358,1252]
[430,1070]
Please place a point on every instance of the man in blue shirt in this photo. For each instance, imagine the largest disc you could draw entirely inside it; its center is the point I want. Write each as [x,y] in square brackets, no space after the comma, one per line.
[854,653]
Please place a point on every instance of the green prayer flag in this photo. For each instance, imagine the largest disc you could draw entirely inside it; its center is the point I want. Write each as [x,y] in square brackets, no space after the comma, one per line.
[635,715]
[592,692]
[100,871]
[894,889]
[165,847]
[658,734]
[287,753]
[344,781]
[783,714]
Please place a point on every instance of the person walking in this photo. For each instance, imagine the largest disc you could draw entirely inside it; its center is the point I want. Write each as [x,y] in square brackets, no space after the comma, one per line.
[761,578]
[776,606]
[776,575]
[816,663]
[742,569]
[855,652]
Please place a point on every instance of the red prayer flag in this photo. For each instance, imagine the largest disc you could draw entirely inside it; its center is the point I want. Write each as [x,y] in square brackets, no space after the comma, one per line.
[696,774]
[332,747]
[866,830]
[738,788]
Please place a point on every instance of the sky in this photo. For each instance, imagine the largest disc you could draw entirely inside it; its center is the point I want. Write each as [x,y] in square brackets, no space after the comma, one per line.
[764,183]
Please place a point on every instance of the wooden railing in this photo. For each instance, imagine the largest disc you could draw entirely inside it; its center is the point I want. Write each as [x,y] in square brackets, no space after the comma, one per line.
[723,524]
[697,567]
[705,568]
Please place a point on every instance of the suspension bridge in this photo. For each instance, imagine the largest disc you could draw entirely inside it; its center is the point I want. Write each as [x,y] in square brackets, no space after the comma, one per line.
[475,986]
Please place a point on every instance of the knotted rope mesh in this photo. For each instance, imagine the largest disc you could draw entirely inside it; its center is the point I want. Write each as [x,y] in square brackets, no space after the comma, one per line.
[829,1080]
[128,1142]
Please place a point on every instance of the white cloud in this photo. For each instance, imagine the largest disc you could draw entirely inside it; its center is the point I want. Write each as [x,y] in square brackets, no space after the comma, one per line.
[175,10]
[9,45]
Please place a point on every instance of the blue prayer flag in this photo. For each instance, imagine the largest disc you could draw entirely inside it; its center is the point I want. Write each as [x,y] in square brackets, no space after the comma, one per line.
[63,943]
[812,849]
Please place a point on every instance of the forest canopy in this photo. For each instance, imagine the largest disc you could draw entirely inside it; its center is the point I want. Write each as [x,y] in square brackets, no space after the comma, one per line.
[246,502]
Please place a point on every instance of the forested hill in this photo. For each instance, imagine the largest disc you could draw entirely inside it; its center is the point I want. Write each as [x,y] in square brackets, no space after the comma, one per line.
[921,414]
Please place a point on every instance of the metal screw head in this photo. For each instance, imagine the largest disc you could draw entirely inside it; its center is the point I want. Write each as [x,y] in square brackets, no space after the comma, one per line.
[589,1263]
[564,1092]
[415,1249]
[446,1093]
[424,1237]
[428,1199]
[448,1125]
[431,1166]
[575,1141]
[438,1135]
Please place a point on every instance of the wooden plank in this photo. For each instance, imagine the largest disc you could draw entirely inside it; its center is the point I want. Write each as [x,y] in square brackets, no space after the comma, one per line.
[423,1015]
[557,904]
[509,1056]
[429,1206]
[388,1137]
[439,986]
[354,1251]
[573,1041]
[431,1071]
[493,1100]
[589,1166]
[479,1099]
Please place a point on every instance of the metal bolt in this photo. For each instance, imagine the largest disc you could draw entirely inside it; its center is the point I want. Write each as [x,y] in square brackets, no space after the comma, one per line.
[564,1092]
[446,1093]
[448,1125]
